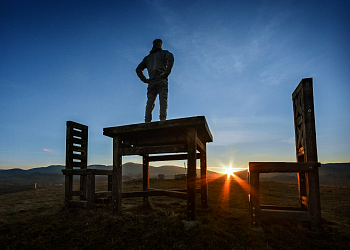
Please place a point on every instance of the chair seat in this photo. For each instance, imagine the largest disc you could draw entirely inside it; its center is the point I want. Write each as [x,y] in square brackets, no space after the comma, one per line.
[283,167]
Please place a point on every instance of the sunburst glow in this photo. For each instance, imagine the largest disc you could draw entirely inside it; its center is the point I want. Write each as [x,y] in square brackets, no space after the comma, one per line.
[229,171]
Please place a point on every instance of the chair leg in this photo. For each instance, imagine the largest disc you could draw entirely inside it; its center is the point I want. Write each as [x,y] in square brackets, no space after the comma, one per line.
[314,204]
[68,189]
[90,191]
[254,200]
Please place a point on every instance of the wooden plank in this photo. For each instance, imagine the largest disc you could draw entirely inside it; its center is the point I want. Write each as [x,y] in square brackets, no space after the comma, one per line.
[76,125]
[176,157]
[156,192]
[86,171]
[72,156]
[283,167]
[184,190]
[83,178]
[145,176]
[78,141]
[269,207]
[299,125]
[80,203]
[77,133]
[73,171]
[299,120]
[179,195]
[154,150]
[154,138]
[314,203]
[191,174]
[204,182]
[143,193]
[110,182]
[68,190]
[183,123]
[117,177]
[309,181]
[78,149]
[301,187]
[299,87]
[103,194]
[78,156]
[310,129]
[77,164]
[90,191]
[83,185]
[254,198]
[69,145]
[101,171]
[200,146]
[191,121]
[85,147]
[267,214]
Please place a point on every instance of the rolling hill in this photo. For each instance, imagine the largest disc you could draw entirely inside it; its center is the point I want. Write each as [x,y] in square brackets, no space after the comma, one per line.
[333,174]
[13,180]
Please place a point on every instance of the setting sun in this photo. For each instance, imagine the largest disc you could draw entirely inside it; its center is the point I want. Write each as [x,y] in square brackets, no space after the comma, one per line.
[229,171]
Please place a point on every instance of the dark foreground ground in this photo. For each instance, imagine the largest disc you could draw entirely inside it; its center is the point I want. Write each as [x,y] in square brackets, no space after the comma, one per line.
[36,219]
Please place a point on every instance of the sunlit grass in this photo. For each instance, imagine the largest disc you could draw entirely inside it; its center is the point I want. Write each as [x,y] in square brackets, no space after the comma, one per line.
[37,219]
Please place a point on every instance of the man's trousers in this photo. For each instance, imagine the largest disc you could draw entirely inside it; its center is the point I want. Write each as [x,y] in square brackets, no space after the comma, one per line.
[157,88]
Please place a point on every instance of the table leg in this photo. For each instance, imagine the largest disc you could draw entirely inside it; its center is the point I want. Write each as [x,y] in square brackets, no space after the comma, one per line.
[191,174]
[117,177]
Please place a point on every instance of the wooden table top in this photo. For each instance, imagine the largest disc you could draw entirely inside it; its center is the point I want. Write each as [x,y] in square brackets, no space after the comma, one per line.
[160,132]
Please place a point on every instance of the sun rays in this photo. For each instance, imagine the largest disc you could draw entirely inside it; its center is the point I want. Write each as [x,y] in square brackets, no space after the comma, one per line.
[229,171]
[232,175]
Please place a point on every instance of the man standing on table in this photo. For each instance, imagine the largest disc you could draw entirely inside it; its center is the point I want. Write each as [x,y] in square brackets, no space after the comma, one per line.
[159,63]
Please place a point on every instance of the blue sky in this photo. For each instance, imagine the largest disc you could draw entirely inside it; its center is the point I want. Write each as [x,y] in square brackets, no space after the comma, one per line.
[236,62]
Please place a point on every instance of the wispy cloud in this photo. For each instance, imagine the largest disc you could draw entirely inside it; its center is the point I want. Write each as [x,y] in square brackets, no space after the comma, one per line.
[254,129]
[223,52]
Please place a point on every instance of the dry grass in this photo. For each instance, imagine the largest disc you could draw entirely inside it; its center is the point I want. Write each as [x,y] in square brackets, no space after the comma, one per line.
[37,219]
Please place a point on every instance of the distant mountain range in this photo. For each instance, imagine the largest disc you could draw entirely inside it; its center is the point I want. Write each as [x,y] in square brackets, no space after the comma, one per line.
[336,174]
[54,173]
[129,169]
[333,174]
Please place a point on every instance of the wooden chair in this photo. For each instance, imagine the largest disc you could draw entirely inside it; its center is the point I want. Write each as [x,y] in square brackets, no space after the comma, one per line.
[76,164]
[307,165]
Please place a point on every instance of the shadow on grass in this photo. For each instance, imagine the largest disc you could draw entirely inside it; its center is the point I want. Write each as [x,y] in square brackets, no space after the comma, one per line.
[37,220]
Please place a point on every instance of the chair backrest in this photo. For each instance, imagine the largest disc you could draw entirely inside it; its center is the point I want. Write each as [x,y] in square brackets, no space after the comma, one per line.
[76,145]
[304,122]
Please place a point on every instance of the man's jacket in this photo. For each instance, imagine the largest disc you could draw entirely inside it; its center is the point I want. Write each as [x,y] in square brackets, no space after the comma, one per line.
[158,63]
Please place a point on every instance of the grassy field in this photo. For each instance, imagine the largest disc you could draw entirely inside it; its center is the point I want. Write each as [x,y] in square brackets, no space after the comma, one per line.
[36,219]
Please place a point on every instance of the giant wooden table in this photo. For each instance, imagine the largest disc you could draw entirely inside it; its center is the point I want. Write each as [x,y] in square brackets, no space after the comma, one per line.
[177,139]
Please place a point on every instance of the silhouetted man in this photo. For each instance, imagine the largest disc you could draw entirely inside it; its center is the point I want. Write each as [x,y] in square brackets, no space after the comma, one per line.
[159,63]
